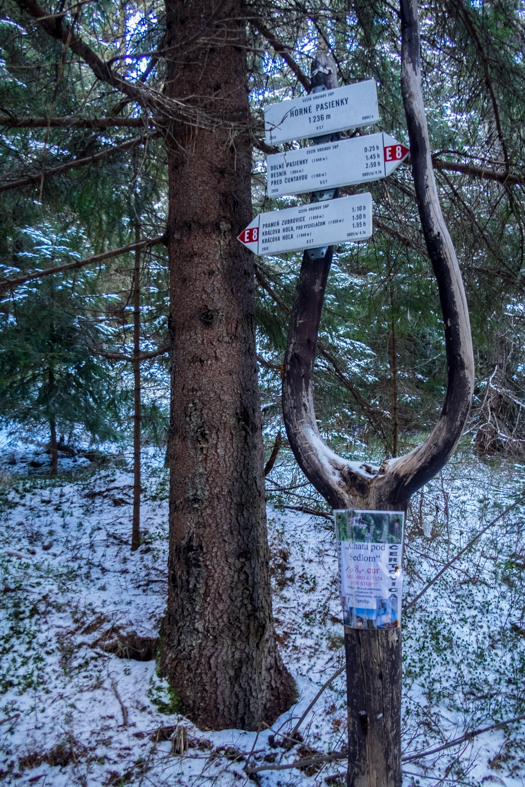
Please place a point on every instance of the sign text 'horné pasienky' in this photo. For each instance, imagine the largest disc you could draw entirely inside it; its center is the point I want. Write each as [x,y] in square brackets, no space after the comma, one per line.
[321,113]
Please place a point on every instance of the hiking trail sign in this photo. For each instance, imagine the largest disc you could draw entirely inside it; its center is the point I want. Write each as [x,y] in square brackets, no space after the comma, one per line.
[318,224]
[322,113]
[333,164]
[321,169]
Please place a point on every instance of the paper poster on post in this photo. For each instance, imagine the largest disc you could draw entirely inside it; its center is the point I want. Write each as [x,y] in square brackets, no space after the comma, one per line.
[370,563]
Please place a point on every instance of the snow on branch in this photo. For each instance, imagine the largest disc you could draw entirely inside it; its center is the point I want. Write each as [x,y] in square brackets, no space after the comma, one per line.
[8,284]
[77,163]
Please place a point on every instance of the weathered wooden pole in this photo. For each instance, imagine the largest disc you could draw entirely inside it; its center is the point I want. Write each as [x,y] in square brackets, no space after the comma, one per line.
[373,656]
[135,527]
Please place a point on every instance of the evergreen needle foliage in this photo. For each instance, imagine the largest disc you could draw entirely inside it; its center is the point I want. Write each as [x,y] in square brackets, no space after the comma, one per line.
[48,373]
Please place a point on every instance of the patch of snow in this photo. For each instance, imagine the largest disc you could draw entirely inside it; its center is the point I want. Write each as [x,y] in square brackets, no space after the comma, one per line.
[72,712]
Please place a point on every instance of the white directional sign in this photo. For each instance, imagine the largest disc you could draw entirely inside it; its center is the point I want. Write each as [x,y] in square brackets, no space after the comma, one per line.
[334,164]
[310,226]
[322,113]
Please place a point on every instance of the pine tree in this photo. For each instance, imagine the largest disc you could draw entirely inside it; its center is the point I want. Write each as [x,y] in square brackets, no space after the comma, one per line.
[48,374]
[219,609]
[215,452]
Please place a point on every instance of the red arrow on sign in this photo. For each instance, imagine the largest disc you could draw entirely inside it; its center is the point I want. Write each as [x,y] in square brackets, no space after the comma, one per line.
[250,234]
[396,152]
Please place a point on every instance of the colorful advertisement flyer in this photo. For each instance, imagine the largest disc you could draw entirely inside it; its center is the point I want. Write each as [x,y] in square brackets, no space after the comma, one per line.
[370,562]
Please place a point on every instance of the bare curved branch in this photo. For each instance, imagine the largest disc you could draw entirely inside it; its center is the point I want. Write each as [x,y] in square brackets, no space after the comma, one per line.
[116,356]
[506,178]
[409,473]
[343,483]
[78,163]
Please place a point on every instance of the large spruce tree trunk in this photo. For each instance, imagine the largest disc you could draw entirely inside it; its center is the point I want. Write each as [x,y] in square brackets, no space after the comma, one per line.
[218,646]
[135,525]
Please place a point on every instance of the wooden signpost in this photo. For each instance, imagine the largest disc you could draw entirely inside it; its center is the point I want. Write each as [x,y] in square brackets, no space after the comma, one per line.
[317,114]
[372,632]
[361,495]
[310,226]
[333,164]
[321,169]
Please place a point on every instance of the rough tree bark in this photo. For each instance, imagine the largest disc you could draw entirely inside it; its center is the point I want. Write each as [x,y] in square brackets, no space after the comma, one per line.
[373,657]
[218,645]
[53,446]
[135,525]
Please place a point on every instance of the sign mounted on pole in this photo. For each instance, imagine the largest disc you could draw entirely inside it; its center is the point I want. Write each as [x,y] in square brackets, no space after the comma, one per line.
[334,164]
[370,562]
[309,226]
[321,113]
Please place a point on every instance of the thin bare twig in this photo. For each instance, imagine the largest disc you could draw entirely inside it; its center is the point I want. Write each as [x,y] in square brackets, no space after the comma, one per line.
[462,739]
[77,163]
[53,104]
[436,778]
[122,706]
[462,552]
[10,718]
[337,755]
[250,755]
[7,284]
[273,456]
[274,367]
[283,51]
[115,356]
[311,705]
[308,510]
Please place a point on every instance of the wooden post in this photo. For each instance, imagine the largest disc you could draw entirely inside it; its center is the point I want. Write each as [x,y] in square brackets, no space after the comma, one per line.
[373,680]
[373,657]
[135,527]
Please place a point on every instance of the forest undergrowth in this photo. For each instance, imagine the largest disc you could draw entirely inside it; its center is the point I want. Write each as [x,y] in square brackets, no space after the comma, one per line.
[81,702]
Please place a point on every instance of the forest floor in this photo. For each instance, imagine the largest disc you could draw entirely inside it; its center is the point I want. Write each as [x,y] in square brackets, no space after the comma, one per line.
[80,699]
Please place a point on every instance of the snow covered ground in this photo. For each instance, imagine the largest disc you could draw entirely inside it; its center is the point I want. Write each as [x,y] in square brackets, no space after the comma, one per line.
[75,709]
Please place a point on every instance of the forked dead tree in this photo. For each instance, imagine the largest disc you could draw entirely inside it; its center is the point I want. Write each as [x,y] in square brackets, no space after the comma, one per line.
[373,657]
